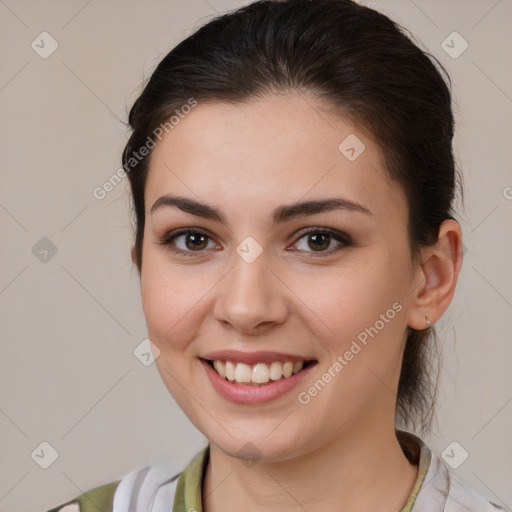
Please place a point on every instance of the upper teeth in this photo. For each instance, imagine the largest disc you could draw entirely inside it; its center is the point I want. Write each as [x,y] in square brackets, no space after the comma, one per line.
[259,373]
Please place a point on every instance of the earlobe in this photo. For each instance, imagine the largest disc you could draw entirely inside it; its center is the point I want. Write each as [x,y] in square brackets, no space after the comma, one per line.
[439,270]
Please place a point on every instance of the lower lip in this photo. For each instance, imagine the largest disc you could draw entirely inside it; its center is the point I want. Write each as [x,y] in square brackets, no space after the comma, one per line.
[254,394]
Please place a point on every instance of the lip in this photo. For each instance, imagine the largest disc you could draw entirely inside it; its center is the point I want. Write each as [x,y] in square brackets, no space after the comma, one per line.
[250,394]
[251,358]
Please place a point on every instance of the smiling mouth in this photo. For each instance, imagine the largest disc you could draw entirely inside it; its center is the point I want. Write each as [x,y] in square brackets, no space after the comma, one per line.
[258,374]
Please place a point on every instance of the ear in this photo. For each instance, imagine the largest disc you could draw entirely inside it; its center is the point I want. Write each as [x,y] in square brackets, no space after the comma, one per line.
[437,274]
[134,255]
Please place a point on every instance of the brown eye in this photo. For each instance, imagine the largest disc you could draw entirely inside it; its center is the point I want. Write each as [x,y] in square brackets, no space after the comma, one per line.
[188,241]
[195,241]
[319,241]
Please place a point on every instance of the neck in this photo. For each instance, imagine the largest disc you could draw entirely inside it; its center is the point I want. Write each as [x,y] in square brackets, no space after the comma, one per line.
[364,469]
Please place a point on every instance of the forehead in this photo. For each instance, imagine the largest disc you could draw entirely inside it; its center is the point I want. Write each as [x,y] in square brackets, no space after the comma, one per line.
[279,148]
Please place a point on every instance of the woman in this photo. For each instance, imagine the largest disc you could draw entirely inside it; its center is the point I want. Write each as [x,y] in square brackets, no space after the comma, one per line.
[292,176]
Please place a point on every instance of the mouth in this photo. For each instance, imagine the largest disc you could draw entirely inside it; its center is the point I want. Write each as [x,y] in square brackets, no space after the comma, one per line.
[258,374]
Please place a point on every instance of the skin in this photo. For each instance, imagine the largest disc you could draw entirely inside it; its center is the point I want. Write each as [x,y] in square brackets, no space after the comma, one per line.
[339,451]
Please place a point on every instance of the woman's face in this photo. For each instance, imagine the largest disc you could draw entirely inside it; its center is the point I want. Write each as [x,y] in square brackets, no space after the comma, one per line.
[250,278]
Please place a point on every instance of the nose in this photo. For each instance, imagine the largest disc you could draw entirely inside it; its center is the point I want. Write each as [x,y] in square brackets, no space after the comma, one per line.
[251,298]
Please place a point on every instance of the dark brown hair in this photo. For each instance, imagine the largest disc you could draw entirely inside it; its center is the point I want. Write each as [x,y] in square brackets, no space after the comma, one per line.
[361,64]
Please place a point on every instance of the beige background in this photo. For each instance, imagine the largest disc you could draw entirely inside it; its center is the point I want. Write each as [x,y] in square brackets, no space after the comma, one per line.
[70,324]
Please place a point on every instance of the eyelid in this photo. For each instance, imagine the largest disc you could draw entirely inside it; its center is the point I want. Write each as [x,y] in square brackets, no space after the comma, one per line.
[343,239]
[168,238]
[329,231]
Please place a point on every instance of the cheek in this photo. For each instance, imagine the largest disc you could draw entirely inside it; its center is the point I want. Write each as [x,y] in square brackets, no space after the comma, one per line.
[172,300]
[358,316]
[347,300]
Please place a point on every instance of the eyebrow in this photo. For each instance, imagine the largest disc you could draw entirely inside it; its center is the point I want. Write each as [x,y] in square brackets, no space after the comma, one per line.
[280,214]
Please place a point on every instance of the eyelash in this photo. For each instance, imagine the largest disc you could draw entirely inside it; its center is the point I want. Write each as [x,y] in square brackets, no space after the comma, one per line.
[344,239]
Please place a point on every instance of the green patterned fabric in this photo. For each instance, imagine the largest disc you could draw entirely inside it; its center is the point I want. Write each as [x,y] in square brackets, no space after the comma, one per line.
[189,489]
[435,487]
[190,483]
[189,486]
[99,499]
